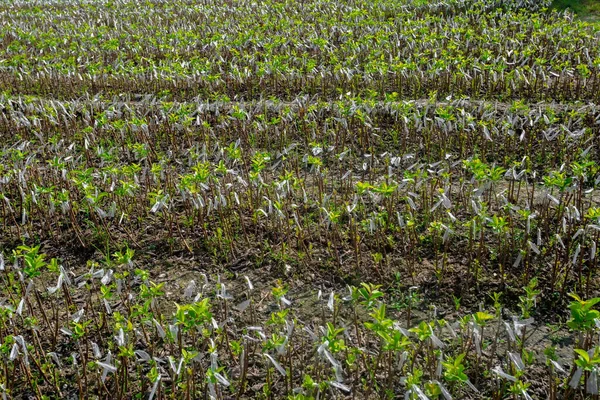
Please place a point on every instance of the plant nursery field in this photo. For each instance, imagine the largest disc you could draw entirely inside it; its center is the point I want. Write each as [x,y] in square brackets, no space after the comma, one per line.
[301,200]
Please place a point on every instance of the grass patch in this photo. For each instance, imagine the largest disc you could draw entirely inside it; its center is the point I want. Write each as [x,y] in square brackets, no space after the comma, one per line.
[588,10]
